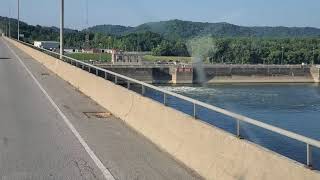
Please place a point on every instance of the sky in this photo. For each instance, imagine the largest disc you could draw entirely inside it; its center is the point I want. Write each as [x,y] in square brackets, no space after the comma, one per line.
[292,13]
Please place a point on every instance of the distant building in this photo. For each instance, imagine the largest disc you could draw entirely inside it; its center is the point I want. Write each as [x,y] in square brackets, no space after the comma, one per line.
[126,58]
[49,45]
[89,51]
[109,51]
[93,51]
[71,50]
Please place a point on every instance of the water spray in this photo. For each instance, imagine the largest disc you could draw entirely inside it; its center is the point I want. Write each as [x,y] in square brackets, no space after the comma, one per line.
[199,49]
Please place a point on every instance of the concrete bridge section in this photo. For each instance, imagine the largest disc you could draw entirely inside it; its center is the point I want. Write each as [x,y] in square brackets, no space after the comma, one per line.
[37,143]
[211,152]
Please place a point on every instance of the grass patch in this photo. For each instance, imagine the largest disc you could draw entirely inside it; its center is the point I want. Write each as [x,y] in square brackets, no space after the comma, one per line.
[90,56]
[166,58]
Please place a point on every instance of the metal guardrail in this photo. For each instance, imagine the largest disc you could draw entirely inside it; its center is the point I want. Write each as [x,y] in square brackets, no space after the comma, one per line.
[141,65]
[310,143]
[288,66]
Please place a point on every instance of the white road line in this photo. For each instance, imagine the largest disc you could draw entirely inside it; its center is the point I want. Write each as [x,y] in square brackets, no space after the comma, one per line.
[105,171]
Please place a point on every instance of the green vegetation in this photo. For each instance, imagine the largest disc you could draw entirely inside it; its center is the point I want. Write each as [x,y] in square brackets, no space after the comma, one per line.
[145,41]
[166,58]
[170,48]
[89,56]
[265,51]
[116,30]
[225,43]
[177,29]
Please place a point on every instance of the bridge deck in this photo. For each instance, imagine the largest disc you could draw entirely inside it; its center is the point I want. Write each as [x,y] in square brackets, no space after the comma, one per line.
[36,143]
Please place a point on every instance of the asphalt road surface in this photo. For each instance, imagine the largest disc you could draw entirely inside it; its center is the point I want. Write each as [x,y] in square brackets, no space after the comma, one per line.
[48,130]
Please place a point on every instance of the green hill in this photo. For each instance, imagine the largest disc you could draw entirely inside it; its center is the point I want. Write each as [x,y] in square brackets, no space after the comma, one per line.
[172,30]
[228,43]
[32,32]
[110,29]
[177,29]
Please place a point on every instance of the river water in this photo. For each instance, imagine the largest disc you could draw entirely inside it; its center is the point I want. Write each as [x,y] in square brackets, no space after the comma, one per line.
[294,107]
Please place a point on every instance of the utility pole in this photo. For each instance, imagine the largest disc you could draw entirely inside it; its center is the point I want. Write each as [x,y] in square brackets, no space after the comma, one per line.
[313,53]
[9,33]
[18,20]
[282,54]
[87,36]
[6,29]
[61,28]
[100,52]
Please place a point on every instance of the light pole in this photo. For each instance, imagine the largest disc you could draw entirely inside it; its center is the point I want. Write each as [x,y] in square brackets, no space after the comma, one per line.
[282,54]
[313,53]
[18,20]
[9,33]
[100,51]
[61,28]
[6,28]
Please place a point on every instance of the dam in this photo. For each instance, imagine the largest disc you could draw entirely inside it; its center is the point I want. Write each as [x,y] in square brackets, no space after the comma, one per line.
[218,73]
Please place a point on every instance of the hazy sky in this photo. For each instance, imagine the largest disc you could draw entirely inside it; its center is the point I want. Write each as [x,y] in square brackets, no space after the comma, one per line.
[134,12]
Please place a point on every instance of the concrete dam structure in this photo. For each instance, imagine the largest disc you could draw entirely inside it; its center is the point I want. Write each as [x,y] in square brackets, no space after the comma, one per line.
[208,150]
[155,74]
[220,74]
[260,73]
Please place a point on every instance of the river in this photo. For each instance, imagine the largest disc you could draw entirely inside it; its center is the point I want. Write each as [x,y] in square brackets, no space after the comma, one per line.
[294,107]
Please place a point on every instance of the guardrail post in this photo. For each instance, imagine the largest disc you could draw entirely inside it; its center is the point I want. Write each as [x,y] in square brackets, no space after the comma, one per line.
[128,84]
[164,99]
[97,72]
[309,156]
[143,90]
[89,69]
[115,79]
[105,75]
[238,129]
[194,110]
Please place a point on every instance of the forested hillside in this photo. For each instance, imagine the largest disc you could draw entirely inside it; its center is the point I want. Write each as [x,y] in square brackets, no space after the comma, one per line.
[110,29]
[175,29]
[225,43]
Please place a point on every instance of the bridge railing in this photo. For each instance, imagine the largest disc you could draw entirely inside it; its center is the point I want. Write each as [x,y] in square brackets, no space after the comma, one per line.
[309,142]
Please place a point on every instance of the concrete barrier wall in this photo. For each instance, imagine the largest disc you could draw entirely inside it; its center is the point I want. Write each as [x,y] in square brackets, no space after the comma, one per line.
[139,73]
[258,74]
[211,152]
[315,72]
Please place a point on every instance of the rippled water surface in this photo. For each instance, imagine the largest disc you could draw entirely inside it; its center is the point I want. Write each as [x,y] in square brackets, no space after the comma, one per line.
[294,107]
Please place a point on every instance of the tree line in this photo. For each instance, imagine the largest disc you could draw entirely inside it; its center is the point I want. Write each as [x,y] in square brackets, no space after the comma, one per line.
[265,51]
[236,50]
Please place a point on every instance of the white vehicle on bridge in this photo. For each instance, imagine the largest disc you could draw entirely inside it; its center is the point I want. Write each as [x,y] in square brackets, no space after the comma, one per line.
[49,45]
